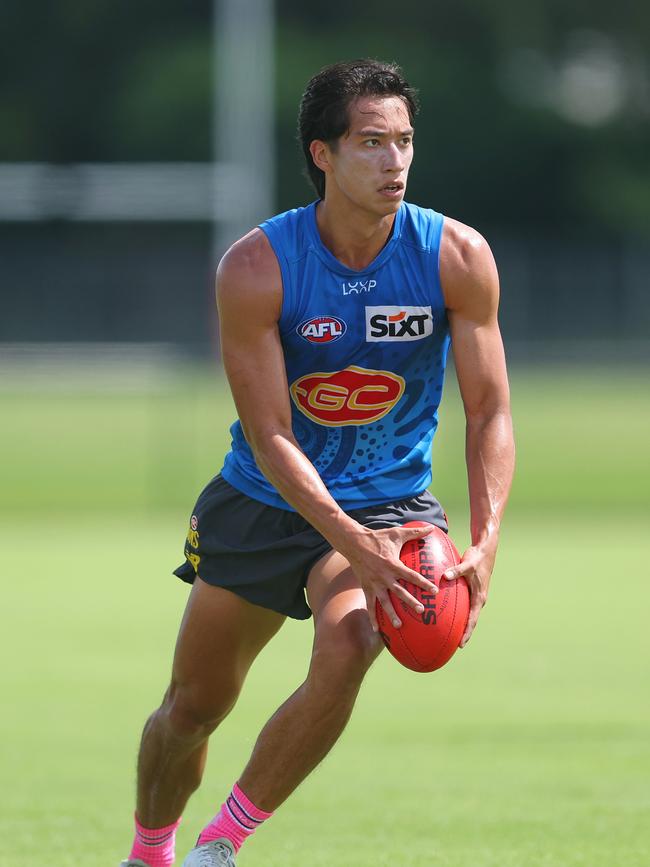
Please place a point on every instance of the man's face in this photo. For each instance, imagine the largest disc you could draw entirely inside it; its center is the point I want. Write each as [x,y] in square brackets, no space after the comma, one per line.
[369,164]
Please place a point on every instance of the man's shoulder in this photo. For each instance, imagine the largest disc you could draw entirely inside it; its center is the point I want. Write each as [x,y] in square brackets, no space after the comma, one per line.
[466,263]
[247,254]
[463,248]
[249,265]
[421,227]
[291,233]
[419,211]
[291,217]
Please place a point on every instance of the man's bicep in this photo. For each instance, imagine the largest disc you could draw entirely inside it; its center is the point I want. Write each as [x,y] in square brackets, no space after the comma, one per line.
[248,302]
[480,364]
[476,337]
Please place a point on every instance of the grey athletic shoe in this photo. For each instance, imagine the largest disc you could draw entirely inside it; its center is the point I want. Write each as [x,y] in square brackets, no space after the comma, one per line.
[133,862]
[216,853]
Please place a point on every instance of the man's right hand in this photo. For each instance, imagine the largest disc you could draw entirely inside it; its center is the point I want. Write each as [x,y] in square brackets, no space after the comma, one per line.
[374,556]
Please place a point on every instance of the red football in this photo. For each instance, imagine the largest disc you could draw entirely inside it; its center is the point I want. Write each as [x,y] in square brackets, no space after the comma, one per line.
[426,641]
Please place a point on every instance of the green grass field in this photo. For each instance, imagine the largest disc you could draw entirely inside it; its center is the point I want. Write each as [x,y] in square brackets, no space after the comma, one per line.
[530,749]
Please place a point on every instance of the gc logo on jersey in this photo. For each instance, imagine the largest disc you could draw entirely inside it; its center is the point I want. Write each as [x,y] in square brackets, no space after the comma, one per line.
[322,329]
[398,323]
[351,396]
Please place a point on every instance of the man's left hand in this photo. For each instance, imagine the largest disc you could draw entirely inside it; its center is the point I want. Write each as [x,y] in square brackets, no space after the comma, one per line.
[476,567]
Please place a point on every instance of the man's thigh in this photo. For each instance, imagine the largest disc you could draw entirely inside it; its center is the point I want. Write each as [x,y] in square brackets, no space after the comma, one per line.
[257,551]
[220,636]
[338,603]
[333,592]
[331,579]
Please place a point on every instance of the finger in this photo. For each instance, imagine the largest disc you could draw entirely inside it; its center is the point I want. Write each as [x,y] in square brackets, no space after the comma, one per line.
[460,570]
[372,611]
[417,579]
[406,597]
[474,612]
[387,604]
[415,532]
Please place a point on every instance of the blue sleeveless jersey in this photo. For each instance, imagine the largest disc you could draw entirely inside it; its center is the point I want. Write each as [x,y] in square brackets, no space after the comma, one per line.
[365,355]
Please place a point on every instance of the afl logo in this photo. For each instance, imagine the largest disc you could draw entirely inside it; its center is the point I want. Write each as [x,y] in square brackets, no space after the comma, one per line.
[322,329]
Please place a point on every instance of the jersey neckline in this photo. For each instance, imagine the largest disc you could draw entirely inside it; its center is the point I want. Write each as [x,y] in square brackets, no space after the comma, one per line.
[334,264]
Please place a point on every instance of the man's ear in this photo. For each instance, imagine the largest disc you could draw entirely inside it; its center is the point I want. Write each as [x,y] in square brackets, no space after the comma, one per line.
[320,152]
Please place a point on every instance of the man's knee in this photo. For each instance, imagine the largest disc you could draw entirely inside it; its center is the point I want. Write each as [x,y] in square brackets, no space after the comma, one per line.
[192,712]
[343,653]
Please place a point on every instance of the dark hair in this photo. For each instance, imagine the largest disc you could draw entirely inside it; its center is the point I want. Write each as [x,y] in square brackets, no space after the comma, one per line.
[323,112]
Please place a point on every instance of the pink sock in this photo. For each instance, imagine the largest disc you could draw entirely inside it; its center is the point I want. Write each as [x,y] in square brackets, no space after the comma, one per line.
[155,846]
[237,820]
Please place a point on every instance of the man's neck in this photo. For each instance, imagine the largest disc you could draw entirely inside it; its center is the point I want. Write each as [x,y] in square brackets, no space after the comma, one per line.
[355,237]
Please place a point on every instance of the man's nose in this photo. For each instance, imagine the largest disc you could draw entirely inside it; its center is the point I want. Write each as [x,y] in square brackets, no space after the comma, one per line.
[394,160]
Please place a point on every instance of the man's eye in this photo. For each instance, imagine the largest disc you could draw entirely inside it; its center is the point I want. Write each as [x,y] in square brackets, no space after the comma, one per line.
[371,142]
[407,140]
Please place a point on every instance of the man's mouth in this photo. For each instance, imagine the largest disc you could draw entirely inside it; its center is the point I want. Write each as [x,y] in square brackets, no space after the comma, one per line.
[393,187]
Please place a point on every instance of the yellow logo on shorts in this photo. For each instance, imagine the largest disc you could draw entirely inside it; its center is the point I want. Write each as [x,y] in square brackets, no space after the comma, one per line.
[193,542]
[194,559]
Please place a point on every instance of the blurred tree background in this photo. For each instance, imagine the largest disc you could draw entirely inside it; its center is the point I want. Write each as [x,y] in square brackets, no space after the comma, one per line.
[535,128]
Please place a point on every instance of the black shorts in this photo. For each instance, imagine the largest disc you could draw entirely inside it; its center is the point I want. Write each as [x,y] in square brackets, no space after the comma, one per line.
[265,554]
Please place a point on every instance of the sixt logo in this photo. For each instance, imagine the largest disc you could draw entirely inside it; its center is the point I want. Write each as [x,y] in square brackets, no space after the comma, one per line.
[322,329]
[398,323]
[358,287]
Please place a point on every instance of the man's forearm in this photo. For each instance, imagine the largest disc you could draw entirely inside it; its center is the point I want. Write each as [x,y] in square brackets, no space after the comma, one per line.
[289,470]
[490,455]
